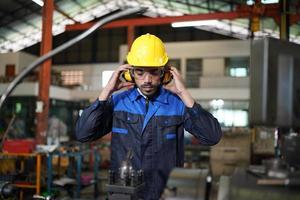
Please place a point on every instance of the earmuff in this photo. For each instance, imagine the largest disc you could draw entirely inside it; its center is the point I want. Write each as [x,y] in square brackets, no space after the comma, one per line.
[167,77]
[127,76]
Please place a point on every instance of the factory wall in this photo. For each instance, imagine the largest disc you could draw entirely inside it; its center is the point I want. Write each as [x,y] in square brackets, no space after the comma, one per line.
[92,73]
[213,84]
[20,60]
[225,96]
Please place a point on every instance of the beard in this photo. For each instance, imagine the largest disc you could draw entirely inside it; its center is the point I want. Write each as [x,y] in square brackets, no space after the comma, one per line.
[148,89]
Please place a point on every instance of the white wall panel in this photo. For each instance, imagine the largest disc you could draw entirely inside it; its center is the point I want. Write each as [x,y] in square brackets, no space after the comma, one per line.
[213,67]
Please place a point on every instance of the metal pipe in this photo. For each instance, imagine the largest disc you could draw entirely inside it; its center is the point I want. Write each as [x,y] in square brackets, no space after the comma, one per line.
[62,47]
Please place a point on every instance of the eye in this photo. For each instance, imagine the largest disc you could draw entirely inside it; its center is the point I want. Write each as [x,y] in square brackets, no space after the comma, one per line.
[139,72]
[156,72]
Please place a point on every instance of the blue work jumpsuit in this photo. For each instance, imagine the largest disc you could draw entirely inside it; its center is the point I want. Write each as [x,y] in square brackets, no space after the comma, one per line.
[155,134]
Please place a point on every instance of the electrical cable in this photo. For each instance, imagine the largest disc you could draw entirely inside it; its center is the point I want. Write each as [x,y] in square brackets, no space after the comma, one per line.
[33,65]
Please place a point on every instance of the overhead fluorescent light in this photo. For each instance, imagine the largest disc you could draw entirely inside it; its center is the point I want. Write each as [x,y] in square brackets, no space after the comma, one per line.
[250,2]
[216,103]
[39,2]
[194,23]
[214,24]
[269,1]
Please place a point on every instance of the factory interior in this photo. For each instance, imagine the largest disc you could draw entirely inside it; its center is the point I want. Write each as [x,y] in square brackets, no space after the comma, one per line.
[237,62]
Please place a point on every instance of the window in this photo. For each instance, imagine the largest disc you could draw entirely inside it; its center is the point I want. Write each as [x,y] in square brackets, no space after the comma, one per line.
[10,70]
[106,76]
[72,77]
[238,72]
[237,66]
[228,118]
[228,112]
[193,72]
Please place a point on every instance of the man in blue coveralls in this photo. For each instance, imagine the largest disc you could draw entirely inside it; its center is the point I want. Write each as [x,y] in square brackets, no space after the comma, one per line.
[148,117]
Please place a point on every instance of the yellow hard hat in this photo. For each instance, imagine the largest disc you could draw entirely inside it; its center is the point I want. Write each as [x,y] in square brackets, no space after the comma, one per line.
[147,51]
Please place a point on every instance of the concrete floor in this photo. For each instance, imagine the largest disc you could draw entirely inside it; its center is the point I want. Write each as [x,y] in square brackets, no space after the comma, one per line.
[87,193]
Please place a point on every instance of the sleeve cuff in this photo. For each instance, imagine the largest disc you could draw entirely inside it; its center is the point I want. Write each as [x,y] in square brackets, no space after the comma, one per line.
[97,103]
[195,110]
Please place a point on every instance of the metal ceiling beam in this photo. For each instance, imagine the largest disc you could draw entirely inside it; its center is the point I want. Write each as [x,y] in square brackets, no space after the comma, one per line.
[144,21]
[294,18]
[272,10]
[241,11]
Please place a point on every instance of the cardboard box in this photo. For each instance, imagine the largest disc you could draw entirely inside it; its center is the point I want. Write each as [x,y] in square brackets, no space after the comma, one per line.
[235,147]
[234,150]
[225,168]
[236,154]
[264,147]
[264,140]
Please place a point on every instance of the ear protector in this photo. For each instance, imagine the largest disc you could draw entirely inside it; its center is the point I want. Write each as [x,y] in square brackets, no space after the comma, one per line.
[166,78]
[127,76]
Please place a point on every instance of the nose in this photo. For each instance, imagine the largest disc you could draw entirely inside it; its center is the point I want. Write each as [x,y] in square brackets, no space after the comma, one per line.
[148,77]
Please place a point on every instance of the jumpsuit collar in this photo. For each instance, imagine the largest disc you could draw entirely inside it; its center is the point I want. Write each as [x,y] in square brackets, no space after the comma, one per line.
[161,96]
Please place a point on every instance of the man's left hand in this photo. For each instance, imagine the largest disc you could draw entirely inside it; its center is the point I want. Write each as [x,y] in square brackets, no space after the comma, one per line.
[177,86]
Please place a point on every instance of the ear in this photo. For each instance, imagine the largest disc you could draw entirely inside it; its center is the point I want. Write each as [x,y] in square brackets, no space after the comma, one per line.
[127,76]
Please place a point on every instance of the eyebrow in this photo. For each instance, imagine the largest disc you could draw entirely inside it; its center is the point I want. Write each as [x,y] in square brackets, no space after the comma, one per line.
[150,69]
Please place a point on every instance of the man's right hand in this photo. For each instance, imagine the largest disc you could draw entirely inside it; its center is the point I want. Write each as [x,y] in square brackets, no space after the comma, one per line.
[115,83]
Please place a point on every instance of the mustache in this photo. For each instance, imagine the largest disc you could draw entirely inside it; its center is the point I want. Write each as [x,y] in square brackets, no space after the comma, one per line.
[147,85]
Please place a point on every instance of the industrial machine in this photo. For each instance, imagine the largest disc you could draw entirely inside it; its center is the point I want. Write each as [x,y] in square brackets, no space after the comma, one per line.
[276,178]
[188,184]
[43,197]
[274,102]
[274,83]
[126,183]
[7,190]
[291,149]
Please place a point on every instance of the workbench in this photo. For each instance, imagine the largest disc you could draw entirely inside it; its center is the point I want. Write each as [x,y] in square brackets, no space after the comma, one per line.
[78,156]
[243,185]
[24,184]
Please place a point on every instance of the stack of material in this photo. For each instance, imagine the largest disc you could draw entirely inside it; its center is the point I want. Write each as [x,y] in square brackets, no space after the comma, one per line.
[264,141]
[231,152]
[187,184]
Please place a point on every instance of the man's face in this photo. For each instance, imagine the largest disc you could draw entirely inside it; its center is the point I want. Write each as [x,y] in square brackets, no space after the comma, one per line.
[147,79]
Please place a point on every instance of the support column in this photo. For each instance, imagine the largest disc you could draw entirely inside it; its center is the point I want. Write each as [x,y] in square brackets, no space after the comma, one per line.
[130,36]
[284,20]
[45,73]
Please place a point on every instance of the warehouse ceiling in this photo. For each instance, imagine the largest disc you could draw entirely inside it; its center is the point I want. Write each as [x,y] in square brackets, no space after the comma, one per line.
[21,20]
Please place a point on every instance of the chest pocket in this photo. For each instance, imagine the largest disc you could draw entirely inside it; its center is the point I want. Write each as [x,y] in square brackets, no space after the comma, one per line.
[167,132]
[124,122]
